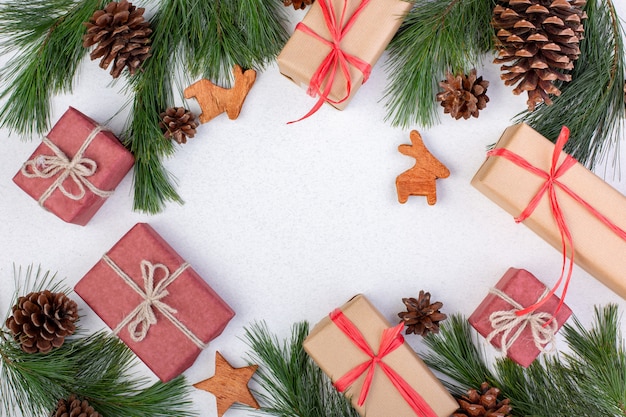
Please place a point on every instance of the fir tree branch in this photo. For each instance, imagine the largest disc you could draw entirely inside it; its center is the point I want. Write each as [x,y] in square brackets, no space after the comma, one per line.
[48,37]
[592,104]
[292,385]
[437,36]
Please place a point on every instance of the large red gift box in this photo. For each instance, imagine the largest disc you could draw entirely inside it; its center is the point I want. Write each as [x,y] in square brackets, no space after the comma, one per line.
[74,169]
[525,289]
[155,302]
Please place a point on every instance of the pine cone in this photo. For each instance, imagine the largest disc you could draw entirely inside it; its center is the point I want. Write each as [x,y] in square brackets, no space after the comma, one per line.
[540,40]
[298,4]
[422,317]
[40,321]
[463,96]
[122,37]
[73,407]
[178,123]
[483,403]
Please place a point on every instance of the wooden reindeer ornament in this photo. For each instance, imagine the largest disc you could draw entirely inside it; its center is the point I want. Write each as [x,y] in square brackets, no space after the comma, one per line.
[420,180]
[216,100]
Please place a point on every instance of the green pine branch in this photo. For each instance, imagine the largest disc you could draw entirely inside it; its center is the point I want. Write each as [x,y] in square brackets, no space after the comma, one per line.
[47,37]
[590,381]
[292,385]
[437,36]
[96,368]
[592,104]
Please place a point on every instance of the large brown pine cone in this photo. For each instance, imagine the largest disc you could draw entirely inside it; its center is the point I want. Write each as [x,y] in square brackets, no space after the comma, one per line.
[539,38]
[463,96]
[483,403]
[298,4]
[178,123]
[42,320]
[73,407]
[421,316]
[122,36]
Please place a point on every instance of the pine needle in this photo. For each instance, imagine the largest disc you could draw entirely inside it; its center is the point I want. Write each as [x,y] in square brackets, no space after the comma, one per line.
[437,36]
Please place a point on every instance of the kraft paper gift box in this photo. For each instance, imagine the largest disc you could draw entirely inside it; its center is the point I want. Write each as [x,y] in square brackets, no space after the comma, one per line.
[336,355]
[599,250]
[525,289]
[188,313]
[75,193]
[370,34]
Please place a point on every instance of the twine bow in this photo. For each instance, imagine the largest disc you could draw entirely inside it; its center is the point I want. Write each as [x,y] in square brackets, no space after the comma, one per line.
[391,340]
[139,320]
[549,187]
[543,326]
[78,170]
[336,58]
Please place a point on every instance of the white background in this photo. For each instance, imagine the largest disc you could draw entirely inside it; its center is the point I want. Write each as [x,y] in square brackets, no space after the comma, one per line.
[288,222]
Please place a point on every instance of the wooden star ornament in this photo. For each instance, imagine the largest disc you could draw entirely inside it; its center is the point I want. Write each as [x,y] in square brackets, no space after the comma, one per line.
[229,385]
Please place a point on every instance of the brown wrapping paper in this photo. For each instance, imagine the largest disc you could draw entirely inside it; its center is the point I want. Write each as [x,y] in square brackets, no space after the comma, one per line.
[367,40]
[331,349]
[598,250]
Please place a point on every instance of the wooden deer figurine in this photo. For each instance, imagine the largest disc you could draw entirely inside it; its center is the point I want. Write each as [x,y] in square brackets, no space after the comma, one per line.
[420,180]
[216,100]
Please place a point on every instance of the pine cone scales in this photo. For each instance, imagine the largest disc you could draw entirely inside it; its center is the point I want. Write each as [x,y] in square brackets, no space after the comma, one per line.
[539,38]
[178,123]
[421,316]
[73,407]
[122,37]
[463,96]
[40,321]
[483,403]
[298,4]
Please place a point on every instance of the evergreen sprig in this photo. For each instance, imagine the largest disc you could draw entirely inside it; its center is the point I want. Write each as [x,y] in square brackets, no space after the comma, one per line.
[292,384]
[96,368]
[592,104]
[436,36]
[589,381]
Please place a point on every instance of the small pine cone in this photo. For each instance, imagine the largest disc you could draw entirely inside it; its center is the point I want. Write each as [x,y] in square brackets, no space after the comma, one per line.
[122,36]
[298,4]
[539,39]
[463,96]
[178,123]
[421,316]
[42,320]
[73,407]
[483,403]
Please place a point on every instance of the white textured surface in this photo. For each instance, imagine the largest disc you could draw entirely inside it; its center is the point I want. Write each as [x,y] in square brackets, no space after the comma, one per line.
[288,222]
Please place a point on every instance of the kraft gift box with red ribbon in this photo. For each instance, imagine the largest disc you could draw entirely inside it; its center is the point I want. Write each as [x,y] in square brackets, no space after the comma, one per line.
[368,360]
[333,49]
[561,201]
[75,168]
[520,335]
[154,301]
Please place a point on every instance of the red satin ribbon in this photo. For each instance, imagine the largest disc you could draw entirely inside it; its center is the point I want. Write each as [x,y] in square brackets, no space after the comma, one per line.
[390,341]
[549,187]
[336,58]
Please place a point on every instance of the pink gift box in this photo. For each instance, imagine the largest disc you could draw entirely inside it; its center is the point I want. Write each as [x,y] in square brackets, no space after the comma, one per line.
[75,194]
[522,287]
[187,313]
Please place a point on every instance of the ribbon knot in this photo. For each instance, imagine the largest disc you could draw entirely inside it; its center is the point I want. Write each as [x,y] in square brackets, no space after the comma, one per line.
[510,325]
[391,340]
[78,170]
[337,59]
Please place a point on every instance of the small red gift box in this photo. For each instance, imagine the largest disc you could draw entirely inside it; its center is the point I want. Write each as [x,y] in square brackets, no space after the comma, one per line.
[74,169]
[520,337]
[155,302]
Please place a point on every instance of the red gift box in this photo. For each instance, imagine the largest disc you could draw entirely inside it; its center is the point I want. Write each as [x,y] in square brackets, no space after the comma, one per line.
[155,302]
[496,320]
[74,169]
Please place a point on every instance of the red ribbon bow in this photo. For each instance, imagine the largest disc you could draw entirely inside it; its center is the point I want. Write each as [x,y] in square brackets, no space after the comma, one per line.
[336,57]
[390,341]
[549,186]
